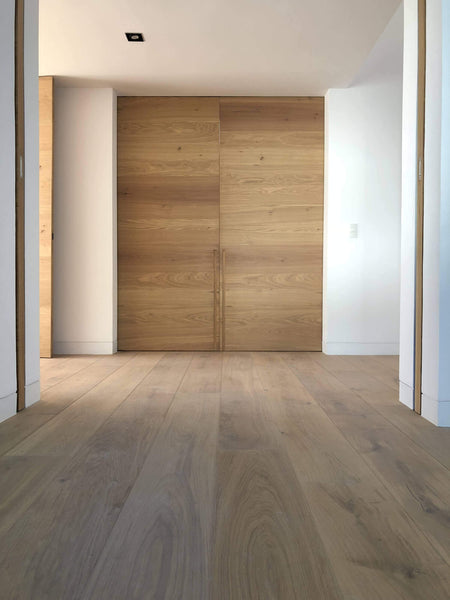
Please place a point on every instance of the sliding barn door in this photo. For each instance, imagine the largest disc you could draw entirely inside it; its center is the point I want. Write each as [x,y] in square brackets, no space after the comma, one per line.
[168,223]
[271,218]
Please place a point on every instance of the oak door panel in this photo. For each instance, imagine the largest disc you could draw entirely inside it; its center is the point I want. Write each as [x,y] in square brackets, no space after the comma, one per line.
[46,110]
[168,222]
[271,222]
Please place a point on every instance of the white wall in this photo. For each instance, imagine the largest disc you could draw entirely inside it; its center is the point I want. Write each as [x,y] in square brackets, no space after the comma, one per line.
[84,250]
[32,374]
[436,254]
[8,378]
[432,194]
[444,298]
[408,228]
[363,186]
[7,214]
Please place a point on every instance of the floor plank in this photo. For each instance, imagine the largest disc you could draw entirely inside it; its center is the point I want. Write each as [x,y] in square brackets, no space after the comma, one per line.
[70,429]
[370,538]
[262,522]
[22,478]
[223,476]
[434,440]
[388,361]
[244,423]
[204,374]
[161,544]
[53,445]
[69,523]
[17,428]
[63,394]
[377,369]
[419,482]
[332,395]
[56,370]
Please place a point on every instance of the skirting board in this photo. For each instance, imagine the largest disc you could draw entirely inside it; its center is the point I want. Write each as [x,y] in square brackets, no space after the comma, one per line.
[32,393]
[406,395]
[436,412]
[85,347]
[354,348]
[8,406]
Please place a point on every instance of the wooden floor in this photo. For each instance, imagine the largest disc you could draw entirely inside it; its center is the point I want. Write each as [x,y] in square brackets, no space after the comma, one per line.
[191,476]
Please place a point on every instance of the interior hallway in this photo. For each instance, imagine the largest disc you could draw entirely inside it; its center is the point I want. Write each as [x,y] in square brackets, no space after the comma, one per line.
[223,477]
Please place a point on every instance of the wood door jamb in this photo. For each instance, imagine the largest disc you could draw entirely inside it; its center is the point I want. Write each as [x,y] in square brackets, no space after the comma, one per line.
[20,201]
[418,324]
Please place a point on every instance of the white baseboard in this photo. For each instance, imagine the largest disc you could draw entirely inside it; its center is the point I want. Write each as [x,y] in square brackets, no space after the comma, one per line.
[355,348]
[406,395]
[85,347]
[436,412]
[8,406]
[32,393]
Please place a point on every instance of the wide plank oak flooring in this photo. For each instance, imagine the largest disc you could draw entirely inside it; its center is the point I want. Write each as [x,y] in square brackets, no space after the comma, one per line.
[223,476]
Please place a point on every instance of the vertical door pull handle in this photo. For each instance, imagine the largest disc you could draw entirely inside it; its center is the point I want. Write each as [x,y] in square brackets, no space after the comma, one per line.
[216,297]
[223,300]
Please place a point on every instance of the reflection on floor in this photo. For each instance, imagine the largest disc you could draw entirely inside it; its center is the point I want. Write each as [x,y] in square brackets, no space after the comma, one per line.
[228,476]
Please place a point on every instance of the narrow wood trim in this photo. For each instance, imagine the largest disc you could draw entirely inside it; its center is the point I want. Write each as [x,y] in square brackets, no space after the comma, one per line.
[418,327]
[20,202]
[46,145]
[215,298]
[222,272]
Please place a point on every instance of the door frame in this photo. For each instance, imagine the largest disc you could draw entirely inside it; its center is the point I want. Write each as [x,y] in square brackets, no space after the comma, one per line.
[20,199]
[418,316]
[46,153]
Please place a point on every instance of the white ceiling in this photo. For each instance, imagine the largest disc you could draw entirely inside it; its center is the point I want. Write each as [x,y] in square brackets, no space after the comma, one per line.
[210,47]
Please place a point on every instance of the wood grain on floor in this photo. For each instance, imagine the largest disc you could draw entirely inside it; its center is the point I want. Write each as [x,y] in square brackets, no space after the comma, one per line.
[233,476]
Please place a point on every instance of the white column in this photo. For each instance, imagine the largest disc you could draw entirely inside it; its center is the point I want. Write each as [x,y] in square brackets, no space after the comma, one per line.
[8,377]
[436,301]
[31,57]
[436,298]
[7,215]
[408,220]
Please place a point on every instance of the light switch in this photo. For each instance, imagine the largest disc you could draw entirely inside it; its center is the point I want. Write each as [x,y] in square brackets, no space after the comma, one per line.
[353,231]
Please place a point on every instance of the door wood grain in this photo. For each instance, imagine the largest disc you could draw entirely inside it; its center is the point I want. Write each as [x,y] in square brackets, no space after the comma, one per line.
[263,290]
[271,222]
[168,222]
[46,102]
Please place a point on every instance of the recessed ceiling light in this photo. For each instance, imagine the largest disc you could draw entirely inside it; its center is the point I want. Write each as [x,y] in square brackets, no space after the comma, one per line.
[135,37]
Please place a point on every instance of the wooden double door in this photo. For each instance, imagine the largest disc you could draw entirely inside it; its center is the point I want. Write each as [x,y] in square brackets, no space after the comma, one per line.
[220,223]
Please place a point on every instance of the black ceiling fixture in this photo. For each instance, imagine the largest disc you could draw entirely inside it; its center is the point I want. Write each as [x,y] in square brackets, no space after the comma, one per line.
[135,37]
